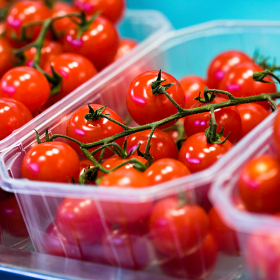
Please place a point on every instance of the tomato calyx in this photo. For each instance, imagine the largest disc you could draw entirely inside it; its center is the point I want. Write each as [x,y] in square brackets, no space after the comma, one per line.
[209,96]
[47,137]
[94,115]
[262,61]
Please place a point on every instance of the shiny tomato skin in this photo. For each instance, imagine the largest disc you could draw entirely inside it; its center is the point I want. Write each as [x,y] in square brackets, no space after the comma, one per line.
[51,162]
[123,212]
[221,64]
[111,9]
[198,155]
[13,115]
[99,43]
[177,230]
[166,169]
[75,70]
[191,85]
[258,184]
[251,115]
[162,145]
[227,117]
[27,85]
[90,131]
[125,46]
[239,82]
[6,56]
[146,107]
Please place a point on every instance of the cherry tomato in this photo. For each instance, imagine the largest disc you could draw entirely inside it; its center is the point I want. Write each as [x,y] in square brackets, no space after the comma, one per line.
[227,117]
[125,46]
[221,64]
[166,169]
[162,145]
[84,165]
[276,133]
[111,9]
[51,162]
[124,212]
[177,230]
[128,247]
[197,265]
[259,184]
[13,115]
[6,56]
[11,219]
[191,85]
[99,43]
[79,221]
[146,107]
[239,82]
[74,69]
[24,12]
[90,131]
[198,155]
[27,85]
[251,115]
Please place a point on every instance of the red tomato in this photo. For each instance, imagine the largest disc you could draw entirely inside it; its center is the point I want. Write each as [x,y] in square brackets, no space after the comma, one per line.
[197,265]
[259,184]
[164,170]
[225,237]
[51,162]
[27,85]
[124,212]
[177,230]
[11,219]
[50,49]
[251,115]
[74,69]
[239,82]
[84,165]
[128,247]
[125,46]
[192,85]
[13,115]
[276,133]
[227,117]
[111,9]
[198,155]
[91,131]
[162,145]
[79,221]
[6,56]
[221,64]
[146,107]
[21,13]
[99,43]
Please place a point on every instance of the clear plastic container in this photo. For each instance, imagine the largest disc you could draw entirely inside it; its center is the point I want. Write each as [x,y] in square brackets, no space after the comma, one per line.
[182,52]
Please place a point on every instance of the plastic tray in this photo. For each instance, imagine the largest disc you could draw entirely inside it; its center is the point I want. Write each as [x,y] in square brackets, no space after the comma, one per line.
[187,51]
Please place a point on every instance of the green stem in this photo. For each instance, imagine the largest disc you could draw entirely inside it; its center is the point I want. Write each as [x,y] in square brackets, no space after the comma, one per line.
[83,176]
[125,127]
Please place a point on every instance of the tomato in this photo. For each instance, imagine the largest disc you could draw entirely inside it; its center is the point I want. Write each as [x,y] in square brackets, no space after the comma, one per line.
[166,169]
[198,155]
[146,107]
[91,131]
[239,82]
[128,247]
[227,117]
[13,115]
[251,115]
[111,9]
[221,64]
[78,220]
[74,69]
[27,85]
[51,162]
[225,237]
[191,85]
[177,230]
[276,133]
[258,184]
[50,49]
[99,43]
[197,265]
[11,219]
[162,145]
[124,212]
[24,12]
[84,165]
[6,56]
[125,46]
